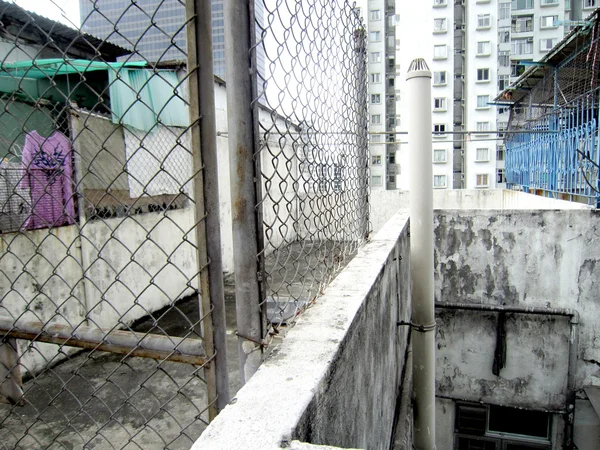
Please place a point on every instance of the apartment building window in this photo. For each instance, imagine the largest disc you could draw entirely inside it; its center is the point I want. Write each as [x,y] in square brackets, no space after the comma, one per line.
[391,122]
[440,25]
[516,68]
[547,44]
[439,104]
[439,155]
[391,81]
[503,109]
[482,180]
[483,21]
[439,78]
[376,138]
[503,11]
[484,48]
[376,119]
[375,14]
[392,20]
[483,75]
[375,57]
[439,3]
[522,24]
[500,153]
[375,78]
[504,58]
[549,2]
[567,5]
[391,178]
[503,82]
[376,180]
[375,98]
[482,155]
[548,21]
[500,178]
[500,427]
[439,181]
[590,3]
[482,127]
[522,46]
[375,36]
[391,41]
[503,35]
[376,160]
[522,4]
[439,129]
[440,51]
[501,126]
[482,102]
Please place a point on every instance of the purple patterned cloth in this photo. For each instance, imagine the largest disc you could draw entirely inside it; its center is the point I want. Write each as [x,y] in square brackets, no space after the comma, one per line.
[48,174]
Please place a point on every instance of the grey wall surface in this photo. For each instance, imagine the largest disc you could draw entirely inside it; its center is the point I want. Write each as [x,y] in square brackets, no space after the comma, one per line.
[335,378]
[525,258]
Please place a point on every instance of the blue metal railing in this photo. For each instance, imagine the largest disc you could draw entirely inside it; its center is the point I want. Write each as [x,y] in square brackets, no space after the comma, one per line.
[558,153]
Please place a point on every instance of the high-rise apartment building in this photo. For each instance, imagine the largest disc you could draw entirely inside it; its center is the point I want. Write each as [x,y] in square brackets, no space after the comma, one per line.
[474,50]
[381,48]
[155,28]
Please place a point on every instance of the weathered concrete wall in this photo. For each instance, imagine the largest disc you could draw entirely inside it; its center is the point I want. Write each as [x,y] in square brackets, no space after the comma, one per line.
[338,370]
[526,258]
[384,204]
[129,276]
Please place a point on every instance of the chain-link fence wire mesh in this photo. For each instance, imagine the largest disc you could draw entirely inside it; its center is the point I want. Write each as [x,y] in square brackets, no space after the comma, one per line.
[311,99]
[104,331]
[561,109]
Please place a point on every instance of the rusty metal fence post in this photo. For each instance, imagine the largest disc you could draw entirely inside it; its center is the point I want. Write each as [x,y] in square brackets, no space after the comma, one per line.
[206,195]
[241,80]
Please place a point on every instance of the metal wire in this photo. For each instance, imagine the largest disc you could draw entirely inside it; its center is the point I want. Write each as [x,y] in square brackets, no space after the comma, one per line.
[100,255]
[313,155]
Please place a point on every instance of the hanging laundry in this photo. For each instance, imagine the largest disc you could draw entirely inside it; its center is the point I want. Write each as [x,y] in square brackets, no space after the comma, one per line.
[48,174]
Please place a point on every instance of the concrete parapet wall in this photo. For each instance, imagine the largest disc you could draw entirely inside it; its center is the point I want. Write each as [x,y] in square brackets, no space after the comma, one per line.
[335,379]
[384,204]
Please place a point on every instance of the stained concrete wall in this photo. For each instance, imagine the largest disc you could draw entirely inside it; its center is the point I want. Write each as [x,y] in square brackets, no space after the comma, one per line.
[525,258]
[137,265]
[336,377]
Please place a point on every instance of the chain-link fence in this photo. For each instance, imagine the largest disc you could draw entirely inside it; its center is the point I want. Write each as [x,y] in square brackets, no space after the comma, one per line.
[300,204]
[112,334]
[113,233]
[313,153]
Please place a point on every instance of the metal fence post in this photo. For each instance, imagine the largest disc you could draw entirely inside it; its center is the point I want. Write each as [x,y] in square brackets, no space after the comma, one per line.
[241,71]
[206,195]
[363,130]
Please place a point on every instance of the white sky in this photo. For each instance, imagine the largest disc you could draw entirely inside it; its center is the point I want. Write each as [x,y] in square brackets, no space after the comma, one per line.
[64,11]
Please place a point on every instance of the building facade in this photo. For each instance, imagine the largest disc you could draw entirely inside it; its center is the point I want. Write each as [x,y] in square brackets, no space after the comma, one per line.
[155,29]
[382,67]
[474,50]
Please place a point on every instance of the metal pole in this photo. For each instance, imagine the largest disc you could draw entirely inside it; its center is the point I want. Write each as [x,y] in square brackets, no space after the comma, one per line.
[421,252]
[244,182]
[78,178]
[362,101]
[130,343]
[206,195]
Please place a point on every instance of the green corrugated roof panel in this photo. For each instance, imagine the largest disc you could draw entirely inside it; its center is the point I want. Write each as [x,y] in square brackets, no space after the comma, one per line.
[48,68]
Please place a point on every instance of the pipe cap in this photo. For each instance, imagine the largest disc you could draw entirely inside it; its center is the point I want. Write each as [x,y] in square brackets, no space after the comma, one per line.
[418,68]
